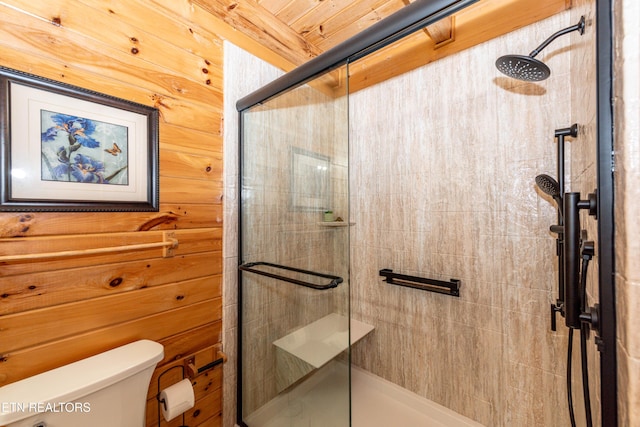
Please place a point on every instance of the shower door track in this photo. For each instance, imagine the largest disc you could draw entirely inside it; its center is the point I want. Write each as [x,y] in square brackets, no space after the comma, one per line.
[404,22]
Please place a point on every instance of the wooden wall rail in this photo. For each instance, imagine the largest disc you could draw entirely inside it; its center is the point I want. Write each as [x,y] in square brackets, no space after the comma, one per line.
[169,243]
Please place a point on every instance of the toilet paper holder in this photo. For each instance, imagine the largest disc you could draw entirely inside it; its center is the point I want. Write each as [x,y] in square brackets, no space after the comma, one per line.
[162,401]
[189,370]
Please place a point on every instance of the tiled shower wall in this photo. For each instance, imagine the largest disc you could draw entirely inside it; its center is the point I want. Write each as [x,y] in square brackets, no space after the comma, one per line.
[442,186]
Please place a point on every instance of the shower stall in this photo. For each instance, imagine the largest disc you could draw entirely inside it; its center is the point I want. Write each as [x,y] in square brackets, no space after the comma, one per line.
[426,181]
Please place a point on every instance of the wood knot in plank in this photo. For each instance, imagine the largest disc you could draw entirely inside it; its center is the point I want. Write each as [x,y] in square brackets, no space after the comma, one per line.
[158,101]
[165,218]
[26,218]
[134,49]
[17,226]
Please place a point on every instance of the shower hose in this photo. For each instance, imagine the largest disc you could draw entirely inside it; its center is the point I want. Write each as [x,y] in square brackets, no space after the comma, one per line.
[584,334]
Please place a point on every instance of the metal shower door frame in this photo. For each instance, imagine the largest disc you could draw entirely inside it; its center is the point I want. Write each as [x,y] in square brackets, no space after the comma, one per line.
[606,227]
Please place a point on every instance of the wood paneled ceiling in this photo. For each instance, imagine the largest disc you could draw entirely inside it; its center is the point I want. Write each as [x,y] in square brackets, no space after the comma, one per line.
[298,30]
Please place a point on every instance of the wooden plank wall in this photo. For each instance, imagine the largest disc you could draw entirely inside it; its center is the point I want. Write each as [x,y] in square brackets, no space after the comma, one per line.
[163,53]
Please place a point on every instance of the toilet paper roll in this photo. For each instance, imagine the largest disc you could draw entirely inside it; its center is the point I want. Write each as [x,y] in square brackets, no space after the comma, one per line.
[178,398]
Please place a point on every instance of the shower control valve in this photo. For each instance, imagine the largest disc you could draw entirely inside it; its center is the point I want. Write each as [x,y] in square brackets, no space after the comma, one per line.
[590,317]
[590,204]
[557,229]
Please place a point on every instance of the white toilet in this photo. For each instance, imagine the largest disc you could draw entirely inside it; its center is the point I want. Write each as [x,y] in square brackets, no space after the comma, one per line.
[106,390]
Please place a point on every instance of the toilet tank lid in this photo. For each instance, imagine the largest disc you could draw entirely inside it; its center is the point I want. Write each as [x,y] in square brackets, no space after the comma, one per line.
[72,382]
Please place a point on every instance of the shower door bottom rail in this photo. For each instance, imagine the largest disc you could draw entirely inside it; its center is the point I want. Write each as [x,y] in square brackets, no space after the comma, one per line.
[451,287]
[253,267]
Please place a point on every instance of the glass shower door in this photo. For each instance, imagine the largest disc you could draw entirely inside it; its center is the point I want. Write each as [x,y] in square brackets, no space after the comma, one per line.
[294,252]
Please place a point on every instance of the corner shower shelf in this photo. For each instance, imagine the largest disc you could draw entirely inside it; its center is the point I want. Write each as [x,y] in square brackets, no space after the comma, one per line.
[321,341]
[335,223]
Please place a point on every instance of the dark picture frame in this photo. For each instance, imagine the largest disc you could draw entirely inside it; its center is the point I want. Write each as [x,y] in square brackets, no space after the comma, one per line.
[65,148]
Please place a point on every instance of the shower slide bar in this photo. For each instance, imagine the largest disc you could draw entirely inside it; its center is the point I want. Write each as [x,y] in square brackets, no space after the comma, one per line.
[334,281]
[451,287]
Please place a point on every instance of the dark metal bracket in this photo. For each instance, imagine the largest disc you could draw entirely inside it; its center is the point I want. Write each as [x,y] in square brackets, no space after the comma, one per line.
[572,254]
[332,283]
[451,287]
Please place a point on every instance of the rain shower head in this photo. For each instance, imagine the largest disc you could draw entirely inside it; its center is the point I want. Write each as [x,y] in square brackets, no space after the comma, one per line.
[528,68]
[523,68]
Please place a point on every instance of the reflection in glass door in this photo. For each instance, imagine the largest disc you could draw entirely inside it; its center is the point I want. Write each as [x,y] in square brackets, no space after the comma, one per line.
[294,256]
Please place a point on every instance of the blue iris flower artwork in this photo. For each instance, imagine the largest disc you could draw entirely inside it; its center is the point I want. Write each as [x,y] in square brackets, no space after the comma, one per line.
[77,149]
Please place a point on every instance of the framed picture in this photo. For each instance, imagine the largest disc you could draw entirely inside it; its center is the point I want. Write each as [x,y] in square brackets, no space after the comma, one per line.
[65,148]
[310,180]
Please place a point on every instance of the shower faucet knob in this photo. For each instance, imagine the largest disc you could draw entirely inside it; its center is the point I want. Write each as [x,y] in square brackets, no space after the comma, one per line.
[590,317]
[590,204]
[558,229]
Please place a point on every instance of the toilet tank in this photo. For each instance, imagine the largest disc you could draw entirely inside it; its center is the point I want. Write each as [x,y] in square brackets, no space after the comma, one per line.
[105,390]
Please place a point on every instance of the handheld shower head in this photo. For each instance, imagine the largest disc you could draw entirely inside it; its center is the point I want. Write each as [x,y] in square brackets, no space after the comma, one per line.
[526,67]
[548,185]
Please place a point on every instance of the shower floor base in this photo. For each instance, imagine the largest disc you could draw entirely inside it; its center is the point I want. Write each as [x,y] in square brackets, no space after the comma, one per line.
[375,403]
